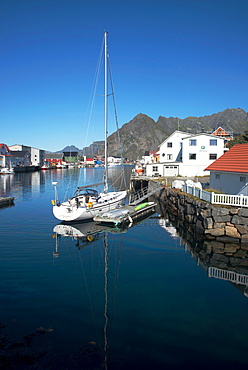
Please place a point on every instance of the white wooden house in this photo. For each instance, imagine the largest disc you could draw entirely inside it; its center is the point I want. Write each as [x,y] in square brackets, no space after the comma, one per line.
[229,173]
[150,157]
[199,151]
[187,155]
[170,156]
[171,148]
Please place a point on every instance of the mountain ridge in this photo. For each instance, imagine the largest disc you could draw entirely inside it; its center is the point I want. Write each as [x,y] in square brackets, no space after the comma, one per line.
[143,133]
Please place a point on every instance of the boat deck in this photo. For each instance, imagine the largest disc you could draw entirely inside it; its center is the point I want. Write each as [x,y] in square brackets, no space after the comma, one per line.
[126,214]
[6,201]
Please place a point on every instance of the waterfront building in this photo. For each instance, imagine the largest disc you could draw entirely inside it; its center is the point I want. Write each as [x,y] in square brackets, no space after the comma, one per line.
[229,173]
[184,154]
[37,156]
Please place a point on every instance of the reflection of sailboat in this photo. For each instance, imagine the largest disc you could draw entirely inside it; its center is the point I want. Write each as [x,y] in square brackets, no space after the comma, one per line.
[87,202]
[84,233]
[104,247]
[87,232]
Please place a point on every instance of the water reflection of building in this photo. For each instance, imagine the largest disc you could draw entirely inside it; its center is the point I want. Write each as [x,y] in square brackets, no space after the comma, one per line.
[219,260]
[165,224]
[6,182]
[21,184]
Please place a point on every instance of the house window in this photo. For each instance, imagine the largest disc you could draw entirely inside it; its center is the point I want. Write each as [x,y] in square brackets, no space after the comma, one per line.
[213,142]
[192,156]
[217,176]
[154,168]
[242,178]
[212,156]
[169,156]
[169,145]
[192,142]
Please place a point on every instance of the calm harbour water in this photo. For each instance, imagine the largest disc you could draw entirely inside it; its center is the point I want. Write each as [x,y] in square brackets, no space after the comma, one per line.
[155,307]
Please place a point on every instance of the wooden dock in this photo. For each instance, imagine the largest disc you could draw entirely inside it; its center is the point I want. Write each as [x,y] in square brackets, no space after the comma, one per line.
[126,214]
[6,201]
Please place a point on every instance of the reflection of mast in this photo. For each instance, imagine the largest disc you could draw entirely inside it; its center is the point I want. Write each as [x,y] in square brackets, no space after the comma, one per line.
[56,252]
[106,299]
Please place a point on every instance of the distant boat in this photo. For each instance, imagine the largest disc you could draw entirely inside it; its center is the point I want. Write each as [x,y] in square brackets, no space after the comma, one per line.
[44,167]
[113,165]
[60,166]
[87,202]
[7,170]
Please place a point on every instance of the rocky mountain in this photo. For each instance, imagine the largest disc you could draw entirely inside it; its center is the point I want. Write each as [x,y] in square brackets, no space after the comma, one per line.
[69,148]
[142,133]
[95,149]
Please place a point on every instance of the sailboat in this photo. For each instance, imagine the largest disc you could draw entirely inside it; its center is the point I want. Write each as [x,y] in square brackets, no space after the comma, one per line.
[87,202]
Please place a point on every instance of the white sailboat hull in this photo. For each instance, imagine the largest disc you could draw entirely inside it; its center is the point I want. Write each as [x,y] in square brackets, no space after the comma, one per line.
[67,211]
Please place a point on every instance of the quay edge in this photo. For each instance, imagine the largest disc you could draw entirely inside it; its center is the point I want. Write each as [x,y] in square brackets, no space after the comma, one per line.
[225,224]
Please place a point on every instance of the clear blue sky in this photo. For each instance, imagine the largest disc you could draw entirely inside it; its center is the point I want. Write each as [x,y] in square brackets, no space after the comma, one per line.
[174,58]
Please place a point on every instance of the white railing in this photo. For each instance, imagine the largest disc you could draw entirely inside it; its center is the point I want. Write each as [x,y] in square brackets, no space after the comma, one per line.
[213,198]
[232,276]
[230,200]
[144,193]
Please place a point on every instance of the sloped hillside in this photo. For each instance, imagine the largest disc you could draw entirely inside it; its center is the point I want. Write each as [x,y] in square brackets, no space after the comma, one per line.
[143,133]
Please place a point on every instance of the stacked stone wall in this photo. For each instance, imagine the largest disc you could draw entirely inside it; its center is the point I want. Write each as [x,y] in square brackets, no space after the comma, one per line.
[222,224]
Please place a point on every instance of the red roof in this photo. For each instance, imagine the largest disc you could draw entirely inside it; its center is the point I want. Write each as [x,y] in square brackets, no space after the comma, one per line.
[222,133]
[234,160]
[6,146]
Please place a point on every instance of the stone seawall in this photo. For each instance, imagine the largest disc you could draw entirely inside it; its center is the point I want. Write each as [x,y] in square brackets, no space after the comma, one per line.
[222,224]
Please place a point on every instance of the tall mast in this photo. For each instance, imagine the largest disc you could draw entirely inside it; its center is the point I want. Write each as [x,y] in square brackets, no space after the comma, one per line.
[106,109]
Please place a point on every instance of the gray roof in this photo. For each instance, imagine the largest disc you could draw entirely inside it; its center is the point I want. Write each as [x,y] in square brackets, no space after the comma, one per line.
[53,155]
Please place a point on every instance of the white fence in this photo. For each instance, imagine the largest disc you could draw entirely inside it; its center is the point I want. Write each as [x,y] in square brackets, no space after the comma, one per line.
[224,199]
[232,276]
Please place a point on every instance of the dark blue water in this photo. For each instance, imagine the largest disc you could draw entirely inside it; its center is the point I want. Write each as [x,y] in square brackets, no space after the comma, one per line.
[154,308]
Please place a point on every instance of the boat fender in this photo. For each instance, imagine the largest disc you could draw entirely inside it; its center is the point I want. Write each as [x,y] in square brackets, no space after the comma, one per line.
[90,238]
[130,220]
[140,206]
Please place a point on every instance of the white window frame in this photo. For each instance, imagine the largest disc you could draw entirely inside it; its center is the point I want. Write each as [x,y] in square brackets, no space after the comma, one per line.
[213,142]
[192,142]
